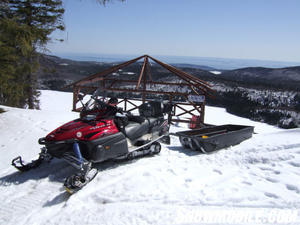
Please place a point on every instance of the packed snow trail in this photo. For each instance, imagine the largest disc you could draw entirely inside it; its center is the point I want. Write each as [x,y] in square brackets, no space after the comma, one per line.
[261,173]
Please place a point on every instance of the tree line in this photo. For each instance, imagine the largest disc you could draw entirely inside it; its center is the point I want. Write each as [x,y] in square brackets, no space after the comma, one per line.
[25,29]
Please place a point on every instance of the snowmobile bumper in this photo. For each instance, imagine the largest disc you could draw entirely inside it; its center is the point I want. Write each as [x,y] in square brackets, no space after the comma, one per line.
[95,151]
[42,141]
[58,148]
[19,164]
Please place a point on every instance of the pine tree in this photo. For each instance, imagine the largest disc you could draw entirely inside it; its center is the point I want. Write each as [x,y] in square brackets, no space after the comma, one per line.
[38,18]
[14,46]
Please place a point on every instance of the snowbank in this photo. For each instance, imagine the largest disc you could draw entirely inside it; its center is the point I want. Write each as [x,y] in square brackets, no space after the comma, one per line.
[175,187]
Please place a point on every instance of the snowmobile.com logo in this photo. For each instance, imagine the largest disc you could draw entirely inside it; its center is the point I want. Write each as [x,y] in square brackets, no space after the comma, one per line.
[238,216]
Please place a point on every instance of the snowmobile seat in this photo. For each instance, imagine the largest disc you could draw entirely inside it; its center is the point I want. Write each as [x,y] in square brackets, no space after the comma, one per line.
[135,130]
[153,121]
[134,118]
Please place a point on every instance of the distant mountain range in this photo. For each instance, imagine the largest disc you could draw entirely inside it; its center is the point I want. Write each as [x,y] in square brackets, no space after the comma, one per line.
[217,63]
[284,78]
[186,65]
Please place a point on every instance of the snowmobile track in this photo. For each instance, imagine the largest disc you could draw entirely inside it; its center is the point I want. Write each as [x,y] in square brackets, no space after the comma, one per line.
[22,207]
[15,207]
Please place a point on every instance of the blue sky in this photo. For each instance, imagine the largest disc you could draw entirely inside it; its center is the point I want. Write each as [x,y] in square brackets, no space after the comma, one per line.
[242,29]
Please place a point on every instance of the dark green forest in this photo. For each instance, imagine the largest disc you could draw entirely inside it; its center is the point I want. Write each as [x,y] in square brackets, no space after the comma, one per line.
[25,28]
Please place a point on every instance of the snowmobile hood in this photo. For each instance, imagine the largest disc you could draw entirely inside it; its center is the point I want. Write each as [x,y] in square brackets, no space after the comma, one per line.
[81,130]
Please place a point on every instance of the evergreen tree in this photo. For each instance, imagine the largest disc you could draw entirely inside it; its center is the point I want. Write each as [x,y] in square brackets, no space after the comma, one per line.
[14,46]
[38,19]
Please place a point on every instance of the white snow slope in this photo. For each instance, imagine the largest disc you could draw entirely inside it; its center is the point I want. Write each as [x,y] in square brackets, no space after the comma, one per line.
[258,180]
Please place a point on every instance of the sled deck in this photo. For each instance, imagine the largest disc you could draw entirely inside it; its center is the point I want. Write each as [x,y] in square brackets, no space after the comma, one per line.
[209,139]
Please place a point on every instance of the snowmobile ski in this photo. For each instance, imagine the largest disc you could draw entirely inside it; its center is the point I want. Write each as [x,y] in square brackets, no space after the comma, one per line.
[77,181]
[19,164]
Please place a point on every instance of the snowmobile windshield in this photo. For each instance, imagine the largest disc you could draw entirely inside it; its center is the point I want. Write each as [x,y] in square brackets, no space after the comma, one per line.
[97,108]
[95,102]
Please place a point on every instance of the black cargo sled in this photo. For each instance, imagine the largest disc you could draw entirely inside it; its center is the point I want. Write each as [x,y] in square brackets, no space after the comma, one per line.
[209,139]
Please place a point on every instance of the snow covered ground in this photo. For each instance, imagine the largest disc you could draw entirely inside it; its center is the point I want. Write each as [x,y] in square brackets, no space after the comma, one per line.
[256,182]
[215,72]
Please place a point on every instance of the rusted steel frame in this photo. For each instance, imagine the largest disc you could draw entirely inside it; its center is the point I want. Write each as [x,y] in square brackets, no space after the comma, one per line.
[125,103]
[142,72]
[86,87]
[193,89]
[99,76]
[187,79]
[196,92]
[112,84]
[76,91]
[75,97]
[125,100]
[195,106]
[132,109]
[141,91]
[171,70]
[146,92]
[180,121]
[148,68]
[149,82]
[203,113]
[208,94]
[145,83]
[182,103]
[185,111]
[195,79]
[182,74]
[132,103]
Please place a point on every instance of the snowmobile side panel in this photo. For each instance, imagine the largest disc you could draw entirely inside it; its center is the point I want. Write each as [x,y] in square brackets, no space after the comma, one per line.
[108,147]
[57,149]
[210,139]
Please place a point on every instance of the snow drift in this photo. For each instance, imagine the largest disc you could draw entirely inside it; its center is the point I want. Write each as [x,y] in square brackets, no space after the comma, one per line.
[261,173]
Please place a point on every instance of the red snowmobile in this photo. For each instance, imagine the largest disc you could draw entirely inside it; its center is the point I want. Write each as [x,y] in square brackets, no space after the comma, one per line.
[101,133]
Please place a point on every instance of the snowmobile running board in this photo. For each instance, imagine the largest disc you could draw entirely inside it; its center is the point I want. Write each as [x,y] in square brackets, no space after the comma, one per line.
[135,151]
[77,181]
